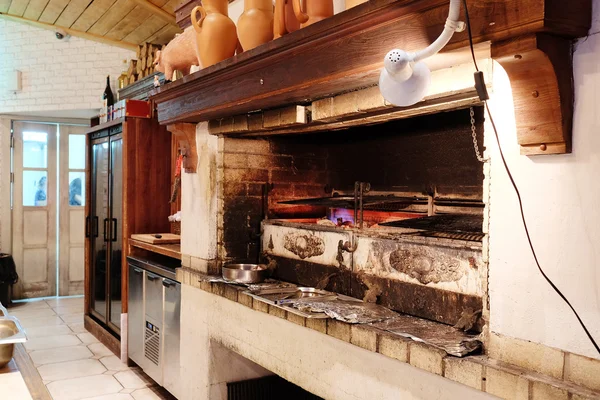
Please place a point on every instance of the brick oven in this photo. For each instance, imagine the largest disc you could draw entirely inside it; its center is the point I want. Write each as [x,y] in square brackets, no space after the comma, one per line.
[390,213]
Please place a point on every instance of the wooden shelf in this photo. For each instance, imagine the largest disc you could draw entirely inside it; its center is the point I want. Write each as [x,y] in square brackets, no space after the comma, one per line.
[105,125]
[169,250]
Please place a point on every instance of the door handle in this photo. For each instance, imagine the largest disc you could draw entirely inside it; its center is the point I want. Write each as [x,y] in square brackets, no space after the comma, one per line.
[151,277]
[137,270]
[95,224]
[167,283]
[87,226]
[105,229]
[114,230]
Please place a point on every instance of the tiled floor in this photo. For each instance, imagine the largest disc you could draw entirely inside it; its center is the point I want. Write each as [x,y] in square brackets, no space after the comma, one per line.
[71,362]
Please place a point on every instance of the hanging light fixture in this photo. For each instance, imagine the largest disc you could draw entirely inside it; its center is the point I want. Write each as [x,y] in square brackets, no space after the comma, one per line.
[405,78]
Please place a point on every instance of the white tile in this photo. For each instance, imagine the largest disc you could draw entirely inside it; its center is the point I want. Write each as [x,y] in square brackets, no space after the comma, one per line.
[78,327]
[44,321]
[41,357]
[52,330]
[116,396]
[146,394]
[32,313]
[132,379]
[65,301]
[100,350]
[87,338]
[68,310]
[127,391]
[70,369]
[51,342]
[113,363]
[85,387]
[72,318]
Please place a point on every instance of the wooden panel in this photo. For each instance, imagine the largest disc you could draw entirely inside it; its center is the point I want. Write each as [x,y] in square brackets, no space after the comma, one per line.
[540,69]
[76,226]
[148,28]
[4,5]
[131,21]
[91,14]
[102,335]
[35,227]
[72,12]
[115,14]
[164,35]
[53,10]
[35,9]
[35,263]
[319,60]
[17,7]
[76,264]
[171,5]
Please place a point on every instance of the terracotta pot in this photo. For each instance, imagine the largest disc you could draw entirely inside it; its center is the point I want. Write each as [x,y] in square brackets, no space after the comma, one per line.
[315,11]
[216,35]
[354,3]
[255,25]
[285,19]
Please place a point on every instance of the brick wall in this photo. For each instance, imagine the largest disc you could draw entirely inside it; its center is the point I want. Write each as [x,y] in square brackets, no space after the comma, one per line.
[67,74]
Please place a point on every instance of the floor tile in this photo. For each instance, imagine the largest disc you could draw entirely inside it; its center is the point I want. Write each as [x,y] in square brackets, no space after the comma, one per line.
[100,350]
[127,390]
[51,342]
[78,327]
[70,369]
[81,388]
[41,321]
[51,330]
[132,380]
[32,313]
[110,372]
[117,396]
[72,318]
[28,305]
[113,363]
[146,394]
[87,338]
[65,301]
[72,353]
[68,310]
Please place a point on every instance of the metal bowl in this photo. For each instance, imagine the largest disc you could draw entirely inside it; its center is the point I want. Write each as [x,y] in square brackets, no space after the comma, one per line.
[245,273]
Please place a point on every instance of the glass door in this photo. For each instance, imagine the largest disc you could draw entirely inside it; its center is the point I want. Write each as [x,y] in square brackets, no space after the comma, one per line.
[116,231]
[99,215]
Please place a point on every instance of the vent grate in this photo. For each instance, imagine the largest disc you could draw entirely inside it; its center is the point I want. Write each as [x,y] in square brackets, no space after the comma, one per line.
[152,345]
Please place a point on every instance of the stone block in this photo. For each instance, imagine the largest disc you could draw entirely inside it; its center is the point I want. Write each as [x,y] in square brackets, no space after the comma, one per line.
[245,299]
[529,355]
[582,371]
[465,371]
[186,260]
[317,324]
[204,285]
[364,337]
[231,293]
[339,330]
[297,319]
[345,104]
[427,357]
[370,99]
[322,109]
[278,312]
[543,391]
[393,347]
[260,306]
[506,385]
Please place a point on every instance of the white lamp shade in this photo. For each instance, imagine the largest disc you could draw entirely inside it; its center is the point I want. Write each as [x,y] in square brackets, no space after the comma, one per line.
[406,92]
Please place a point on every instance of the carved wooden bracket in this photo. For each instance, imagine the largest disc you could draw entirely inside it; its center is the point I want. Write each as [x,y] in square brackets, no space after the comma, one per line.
[186,135]
[540,69]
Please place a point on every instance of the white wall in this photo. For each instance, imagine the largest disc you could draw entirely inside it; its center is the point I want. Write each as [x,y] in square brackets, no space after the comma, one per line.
[67,74]
[561,200]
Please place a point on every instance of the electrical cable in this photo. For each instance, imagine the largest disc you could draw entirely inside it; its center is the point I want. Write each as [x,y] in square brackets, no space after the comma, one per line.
[512,181]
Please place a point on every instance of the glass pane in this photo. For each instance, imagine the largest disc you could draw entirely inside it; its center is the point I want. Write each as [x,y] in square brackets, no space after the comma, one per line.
[99,212]
[76,188]
[76,151]
[116,157]
[35,188]
[35,150]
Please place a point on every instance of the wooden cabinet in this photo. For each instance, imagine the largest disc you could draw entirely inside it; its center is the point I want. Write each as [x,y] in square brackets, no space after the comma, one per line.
[128,179]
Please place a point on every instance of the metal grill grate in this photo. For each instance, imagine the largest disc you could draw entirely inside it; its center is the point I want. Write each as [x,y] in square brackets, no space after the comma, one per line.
[152,345]
[267,388]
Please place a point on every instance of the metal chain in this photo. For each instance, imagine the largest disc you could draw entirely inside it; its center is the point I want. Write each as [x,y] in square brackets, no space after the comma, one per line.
[474,135]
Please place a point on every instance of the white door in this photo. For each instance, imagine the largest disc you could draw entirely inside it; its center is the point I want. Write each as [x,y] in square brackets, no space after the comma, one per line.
[34,209]
[71,210]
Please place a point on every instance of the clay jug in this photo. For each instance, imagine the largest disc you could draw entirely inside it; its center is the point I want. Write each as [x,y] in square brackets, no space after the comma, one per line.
[316,10]
[216,35]
[285,19]
[255,25]
[353,3]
